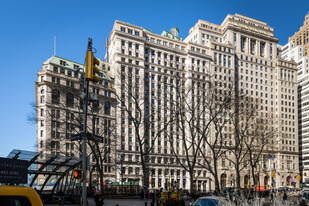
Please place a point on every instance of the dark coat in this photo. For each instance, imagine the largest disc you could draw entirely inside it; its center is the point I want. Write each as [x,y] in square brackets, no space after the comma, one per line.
[98,199]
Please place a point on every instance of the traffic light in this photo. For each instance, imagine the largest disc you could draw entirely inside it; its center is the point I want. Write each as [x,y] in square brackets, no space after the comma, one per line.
[77,174]
[91,69]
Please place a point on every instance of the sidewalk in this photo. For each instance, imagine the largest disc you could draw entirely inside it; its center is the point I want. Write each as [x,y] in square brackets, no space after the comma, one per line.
[114,202]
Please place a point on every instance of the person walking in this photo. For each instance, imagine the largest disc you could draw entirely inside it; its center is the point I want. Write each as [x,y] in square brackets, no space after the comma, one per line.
[98,199]
[285,196]
[142,194]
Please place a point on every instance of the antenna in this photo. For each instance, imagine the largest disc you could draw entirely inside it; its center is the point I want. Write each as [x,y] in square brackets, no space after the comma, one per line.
[55,45]
[106,46]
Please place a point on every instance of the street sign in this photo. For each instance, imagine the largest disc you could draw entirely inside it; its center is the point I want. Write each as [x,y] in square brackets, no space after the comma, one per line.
[89,137]
[76,137]
[13,171]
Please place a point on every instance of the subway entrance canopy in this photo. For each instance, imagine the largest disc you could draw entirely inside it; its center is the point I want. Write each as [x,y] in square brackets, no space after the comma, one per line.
[60,168]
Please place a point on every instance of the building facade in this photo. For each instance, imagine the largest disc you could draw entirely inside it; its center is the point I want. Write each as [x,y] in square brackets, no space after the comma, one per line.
[301,38]
[241,51]
[296,50]
[155,76]
[59,106]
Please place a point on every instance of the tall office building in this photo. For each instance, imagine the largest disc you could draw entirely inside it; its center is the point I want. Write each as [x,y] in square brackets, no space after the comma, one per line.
[301,38]
[59,89]
[147,75]
[297,50]
[262,74]
[241,51]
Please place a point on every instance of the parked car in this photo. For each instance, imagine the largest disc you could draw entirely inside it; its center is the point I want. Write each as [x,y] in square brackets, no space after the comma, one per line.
[305,195]
[210,201]
[18,195]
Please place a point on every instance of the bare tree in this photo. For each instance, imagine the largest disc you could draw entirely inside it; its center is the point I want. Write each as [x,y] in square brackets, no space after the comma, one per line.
[32,116]
[187,113]
[259,142]
[64,117]
[199,107]
[136,112]
[101,139]
[252,132]
[220,101]
[242,123]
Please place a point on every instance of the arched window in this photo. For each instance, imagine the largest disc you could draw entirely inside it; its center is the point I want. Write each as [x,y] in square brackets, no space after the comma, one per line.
[55,96]
[107,108]
[69,100]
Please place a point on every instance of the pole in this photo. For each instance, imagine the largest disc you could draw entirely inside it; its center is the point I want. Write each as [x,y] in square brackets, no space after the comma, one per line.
[84,188]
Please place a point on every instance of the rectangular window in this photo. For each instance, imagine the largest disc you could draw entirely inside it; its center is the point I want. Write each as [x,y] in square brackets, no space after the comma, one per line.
[234,38]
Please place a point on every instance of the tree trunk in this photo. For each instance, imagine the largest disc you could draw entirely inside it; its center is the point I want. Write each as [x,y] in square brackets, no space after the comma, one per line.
[90,182]
[253,176]
[238,179]
[217,182]
[145,175]
[254,179]
[192,189]
[101,180]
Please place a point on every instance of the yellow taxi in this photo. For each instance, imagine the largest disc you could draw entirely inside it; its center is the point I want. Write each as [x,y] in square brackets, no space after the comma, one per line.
[19,195]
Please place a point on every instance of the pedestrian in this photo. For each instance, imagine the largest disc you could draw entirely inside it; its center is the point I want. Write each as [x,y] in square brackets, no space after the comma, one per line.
[142,194]
[154,196]
[285,196]
[98,199]
[158,196]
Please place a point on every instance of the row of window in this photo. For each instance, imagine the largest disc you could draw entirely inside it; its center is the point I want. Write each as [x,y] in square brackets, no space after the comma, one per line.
[171,45]
[64,71]
[256,60]
[130,45]
[222,60]
[130,31]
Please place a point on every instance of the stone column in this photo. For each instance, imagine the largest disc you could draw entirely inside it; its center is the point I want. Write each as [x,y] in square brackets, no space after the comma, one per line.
[181,180]
[157,178]
[238,43]
[266,50]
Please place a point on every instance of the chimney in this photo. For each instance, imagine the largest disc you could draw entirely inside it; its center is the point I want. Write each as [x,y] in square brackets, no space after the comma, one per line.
[175,31]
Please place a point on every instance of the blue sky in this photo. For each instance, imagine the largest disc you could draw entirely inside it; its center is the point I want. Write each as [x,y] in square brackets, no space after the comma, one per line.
[28,29]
